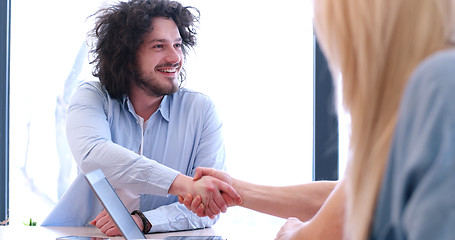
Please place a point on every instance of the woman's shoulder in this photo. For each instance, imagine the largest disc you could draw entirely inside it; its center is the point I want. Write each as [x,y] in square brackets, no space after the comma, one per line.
[434,75]
[439,66]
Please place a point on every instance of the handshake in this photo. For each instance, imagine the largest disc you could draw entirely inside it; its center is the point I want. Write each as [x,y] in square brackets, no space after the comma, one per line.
[209,193]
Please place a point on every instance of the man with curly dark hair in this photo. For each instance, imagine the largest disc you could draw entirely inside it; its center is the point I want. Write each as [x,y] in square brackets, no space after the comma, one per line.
[120,31]
[140,127]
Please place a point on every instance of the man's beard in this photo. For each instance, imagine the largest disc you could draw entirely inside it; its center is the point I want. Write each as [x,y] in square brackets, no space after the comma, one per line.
[153,87]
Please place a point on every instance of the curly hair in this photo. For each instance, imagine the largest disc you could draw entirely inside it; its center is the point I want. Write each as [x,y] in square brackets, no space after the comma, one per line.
[118,35]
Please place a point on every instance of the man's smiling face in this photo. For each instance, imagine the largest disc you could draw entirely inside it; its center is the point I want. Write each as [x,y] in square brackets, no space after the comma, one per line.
[160,58]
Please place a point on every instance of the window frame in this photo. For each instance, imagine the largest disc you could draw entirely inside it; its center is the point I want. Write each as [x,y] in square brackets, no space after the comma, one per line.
[325,124]
[5,12]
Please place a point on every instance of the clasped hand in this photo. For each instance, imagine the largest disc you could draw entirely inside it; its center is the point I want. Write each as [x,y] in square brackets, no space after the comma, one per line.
[201,204]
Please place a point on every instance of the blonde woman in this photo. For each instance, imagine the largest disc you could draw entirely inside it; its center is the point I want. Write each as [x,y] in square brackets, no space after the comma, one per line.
[396,59]
[398,73]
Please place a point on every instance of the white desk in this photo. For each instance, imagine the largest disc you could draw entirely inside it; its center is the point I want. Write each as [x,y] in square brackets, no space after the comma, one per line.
[50,233]
[234,225]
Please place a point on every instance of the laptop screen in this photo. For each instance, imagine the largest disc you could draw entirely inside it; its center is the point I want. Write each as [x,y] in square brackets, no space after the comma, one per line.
[114,206]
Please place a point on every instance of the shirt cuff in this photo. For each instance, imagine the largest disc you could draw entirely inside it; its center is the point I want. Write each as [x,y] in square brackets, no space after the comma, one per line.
[175,217]
[166,220]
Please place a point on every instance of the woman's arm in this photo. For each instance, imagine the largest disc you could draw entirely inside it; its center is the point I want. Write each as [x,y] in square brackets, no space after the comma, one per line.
[300,201]
[326,224]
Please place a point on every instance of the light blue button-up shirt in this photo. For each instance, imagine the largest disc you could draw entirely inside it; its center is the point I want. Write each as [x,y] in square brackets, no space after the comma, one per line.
[417,200]
[140,163]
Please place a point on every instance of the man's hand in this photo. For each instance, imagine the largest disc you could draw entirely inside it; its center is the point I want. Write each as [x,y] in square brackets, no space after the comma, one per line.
[107,225]
[209,189]
[197,205]
[223,176]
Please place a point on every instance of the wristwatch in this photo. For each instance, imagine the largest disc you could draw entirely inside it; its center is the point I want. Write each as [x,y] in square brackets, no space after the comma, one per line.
[147,225]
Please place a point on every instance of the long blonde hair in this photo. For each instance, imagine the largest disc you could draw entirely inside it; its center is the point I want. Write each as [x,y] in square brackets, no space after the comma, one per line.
[374,45]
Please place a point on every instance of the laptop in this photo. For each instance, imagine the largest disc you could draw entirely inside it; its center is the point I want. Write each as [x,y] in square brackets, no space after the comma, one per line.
[114,206]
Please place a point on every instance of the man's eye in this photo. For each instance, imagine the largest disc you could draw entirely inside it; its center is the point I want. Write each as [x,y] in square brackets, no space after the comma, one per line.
[178,45]
[158,46]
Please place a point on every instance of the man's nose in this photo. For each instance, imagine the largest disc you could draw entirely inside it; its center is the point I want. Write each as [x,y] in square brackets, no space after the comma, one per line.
[173,55]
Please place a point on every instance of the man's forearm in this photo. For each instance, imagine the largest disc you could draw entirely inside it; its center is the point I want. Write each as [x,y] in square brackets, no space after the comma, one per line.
[301,201]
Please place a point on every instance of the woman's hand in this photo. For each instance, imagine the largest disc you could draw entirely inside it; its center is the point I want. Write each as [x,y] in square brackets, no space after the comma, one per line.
[214,194]
[293,229]
[196,205]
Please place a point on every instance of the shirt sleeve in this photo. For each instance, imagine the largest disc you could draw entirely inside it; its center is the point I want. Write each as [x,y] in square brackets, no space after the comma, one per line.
[210,153]
[423,156]
[89,138]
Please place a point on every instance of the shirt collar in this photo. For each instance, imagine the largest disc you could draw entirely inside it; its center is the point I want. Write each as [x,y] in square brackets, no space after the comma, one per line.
[163,109]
